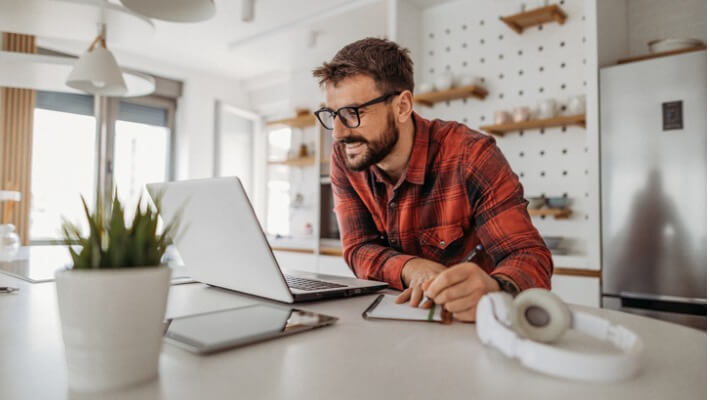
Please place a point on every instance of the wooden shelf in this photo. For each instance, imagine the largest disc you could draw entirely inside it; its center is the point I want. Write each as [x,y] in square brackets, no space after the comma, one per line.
[587,273]
[331,251]
[300,121]
[296,162]
[518,22]
[557,213]
[663,54]
[502,129]
[293,250]
[431,98]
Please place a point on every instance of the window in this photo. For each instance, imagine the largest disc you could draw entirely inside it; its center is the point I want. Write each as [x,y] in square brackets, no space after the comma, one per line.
[235,145]
[63,168]
[278,190]
[65,162]
[141,151]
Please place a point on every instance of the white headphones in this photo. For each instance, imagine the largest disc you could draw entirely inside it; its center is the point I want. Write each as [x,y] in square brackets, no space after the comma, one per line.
[537,314]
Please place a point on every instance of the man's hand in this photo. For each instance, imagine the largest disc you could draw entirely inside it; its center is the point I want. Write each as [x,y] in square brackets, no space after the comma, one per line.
[415,272]
[459,288]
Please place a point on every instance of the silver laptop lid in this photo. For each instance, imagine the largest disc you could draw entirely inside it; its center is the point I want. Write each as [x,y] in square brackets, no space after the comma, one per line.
[220,240]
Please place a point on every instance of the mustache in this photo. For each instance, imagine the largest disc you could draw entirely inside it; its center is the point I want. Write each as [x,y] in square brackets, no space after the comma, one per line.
[351,139]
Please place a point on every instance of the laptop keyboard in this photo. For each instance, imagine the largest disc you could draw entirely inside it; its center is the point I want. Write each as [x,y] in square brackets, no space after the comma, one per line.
[310,284]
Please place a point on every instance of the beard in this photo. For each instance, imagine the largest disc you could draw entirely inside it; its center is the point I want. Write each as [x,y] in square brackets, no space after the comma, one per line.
[375,151]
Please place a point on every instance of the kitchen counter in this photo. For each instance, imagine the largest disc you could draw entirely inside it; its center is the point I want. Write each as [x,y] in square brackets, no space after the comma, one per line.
[354,359]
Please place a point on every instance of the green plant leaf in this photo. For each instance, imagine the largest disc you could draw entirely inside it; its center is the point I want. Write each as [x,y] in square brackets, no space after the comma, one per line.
[112,244]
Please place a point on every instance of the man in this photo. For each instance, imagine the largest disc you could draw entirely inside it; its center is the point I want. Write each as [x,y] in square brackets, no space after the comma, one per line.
[414,197]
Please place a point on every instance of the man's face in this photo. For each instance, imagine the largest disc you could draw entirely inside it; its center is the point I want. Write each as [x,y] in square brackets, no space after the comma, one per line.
[377,134]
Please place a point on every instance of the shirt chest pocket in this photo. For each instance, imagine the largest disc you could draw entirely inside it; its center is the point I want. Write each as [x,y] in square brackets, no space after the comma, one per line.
[441,242]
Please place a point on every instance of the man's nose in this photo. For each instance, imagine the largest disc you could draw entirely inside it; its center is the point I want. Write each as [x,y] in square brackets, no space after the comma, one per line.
[340,131]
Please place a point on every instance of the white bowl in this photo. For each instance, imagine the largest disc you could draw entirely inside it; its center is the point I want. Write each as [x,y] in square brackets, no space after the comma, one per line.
[671,44]
[443,82]
[425,87]
[465,80]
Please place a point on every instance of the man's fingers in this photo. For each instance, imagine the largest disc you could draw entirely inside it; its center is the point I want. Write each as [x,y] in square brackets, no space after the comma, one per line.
[447,278]
[404,296]
[462,304]
[451,293]
[416,297]
[427,283]
[427,304]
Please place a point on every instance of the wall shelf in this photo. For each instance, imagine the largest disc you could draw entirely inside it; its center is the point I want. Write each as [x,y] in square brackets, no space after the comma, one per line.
[557,213]
[463,92]
[293,250]
[518,22]
[308,161]
[663,54]
[502,129]
[303,120]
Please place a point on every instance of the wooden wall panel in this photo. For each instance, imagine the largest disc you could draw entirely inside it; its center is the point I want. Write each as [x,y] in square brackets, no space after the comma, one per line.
[16,136]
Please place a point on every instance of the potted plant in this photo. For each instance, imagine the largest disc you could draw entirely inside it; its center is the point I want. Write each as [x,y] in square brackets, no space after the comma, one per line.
[112,299]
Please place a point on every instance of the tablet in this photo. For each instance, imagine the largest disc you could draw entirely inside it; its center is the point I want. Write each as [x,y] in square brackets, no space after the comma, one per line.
[225,329]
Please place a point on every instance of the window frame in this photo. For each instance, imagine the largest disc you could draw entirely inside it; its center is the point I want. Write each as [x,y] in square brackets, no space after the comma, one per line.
[112,113]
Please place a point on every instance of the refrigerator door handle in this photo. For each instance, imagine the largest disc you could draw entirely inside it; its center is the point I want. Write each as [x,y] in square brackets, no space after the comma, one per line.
[675,304]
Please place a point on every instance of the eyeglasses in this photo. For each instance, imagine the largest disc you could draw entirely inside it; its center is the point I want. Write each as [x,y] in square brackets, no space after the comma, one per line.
[349,116]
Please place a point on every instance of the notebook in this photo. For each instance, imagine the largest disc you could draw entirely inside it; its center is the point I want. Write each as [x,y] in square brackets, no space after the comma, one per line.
[384,307]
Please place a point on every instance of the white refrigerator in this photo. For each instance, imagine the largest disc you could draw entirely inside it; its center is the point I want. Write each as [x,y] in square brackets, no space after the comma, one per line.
[653,187]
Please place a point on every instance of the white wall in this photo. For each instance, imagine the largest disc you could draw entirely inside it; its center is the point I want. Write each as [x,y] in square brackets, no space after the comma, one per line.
[626,26]
[658,19]
[195,121]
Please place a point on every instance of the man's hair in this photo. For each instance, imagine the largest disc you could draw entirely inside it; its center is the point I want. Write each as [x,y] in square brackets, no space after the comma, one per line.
[388,64]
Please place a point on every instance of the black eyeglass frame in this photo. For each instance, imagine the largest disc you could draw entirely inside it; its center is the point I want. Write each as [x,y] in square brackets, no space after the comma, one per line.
[356,109]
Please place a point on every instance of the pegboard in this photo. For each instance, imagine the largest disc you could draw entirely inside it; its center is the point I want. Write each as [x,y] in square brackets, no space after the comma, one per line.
[547,61]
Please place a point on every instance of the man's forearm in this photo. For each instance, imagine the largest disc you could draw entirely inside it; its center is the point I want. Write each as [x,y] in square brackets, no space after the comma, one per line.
[376,262]
[528,268]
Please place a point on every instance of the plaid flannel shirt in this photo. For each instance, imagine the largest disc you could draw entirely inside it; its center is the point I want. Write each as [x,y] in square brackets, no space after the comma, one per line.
[457,191]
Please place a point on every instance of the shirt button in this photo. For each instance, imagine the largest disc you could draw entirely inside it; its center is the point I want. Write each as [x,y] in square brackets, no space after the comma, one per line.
[393,241]
[392,204]
[442,243]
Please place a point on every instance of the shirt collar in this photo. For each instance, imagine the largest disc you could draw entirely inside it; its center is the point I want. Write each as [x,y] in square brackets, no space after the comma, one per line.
[415,171]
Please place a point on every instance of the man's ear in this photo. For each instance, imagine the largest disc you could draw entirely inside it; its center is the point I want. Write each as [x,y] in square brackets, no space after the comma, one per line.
[404,106]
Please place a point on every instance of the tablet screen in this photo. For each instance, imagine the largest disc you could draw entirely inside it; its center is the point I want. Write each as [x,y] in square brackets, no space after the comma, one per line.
[236,327]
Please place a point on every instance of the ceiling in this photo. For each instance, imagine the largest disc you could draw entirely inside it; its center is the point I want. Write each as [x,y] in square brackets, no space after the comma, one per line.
[278,39]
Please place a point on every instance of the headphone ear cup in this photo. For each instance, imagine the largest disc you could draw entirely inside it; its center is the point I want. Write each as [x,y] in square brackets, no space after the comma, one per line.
[540,315]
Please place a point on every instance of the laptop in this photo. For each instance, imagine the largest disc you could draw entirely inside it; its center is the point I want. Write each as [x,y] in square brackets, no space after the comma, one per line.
[222,244]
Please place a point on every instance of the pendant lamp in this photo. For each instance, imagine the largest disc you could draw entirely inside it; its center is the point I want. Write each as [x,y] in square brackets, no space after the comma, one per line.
[97,72]
[173,10]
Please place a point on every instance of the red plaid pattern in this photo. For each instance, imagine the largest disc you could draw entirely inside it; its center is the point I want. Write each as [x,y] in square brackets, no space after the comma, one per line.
[457,191]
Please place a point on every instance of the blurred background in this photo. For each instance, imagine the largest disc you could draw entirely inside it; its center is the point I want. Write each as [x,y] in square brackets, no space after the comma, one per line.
[598,105]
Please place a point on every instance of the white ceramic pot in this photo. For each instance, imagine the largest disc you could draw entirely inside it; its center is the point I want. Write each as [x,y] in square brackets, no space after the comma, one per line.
[112,325]
[501,117]
[425,87]
[465,80]
[9,242]
[521,114]
[443,82]
[576,105]
[547,109]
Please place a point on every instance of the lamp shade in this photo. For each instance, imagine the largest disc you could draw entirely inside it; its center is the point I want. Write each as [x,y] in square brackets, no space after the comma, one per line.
[97,72]
[173,10]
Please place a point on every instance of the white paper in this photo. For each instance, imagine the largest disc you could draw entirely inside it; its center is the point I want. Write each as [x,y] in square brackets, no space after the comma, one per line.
[388,309]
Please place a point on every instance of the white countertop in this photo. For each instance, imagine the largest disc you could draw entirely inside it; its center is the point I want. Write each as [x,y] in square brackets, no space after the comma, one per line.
[354,359]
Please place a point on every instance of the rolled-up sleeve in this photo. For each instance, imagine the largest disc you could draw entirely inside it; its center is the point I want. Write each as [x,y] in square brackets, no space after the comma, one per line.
[501,217]
[365,252]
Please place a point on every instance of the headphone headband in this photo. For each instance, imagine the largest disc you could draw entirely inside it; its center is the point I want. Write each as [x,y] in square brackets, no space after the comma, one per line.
[495,328]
